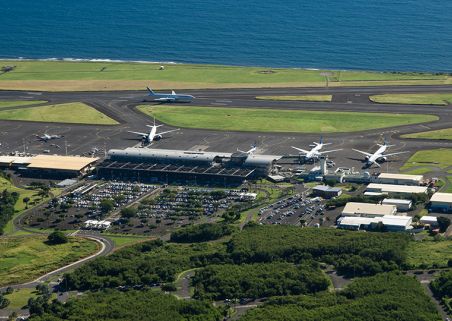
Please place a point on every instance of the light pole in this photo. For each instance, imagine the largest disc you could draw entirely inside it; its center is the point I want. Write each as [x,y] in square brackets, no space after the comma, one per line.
[326,75]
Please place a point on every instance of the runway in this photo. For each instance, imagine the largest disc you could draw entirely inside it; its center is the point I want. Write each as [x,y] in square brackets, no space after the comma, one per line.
[120,105]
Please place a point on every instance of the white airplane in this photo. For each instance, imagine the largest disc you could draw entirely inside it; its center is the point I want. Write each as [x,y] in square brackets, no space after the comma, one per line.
[47,137]
[379,156]
[170,98]
[152,134]
[249,152]
[315,152]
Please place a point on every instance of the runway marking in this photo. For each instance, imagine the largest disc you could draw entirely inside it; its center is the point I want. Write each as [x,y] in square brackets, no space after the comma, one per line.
[218,104]
[33,93]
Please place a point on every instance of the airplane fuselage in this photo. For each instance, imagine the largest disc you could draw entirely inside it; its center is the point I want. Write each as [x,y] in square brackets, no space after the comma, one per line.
[170,98]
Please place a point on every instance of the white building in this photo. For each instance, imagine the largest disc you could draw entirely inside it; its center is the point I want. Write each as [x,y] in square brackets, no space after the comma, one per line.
[368,210]
[402,205]
[441,202]
[396,190]
[399,179]
[391,223]
[429,220]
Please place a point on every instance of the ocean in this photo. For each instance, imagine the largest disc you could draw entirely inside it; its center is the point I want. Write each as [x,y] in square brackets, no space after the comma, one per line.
[386,35]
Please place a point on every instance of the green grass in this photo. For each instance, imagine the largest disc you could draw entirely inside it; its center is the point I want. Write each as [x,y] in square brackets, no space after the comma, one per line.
[429,252]
[418,171]
[24,258]
[443,134]
[19,298]
[447,187]
[433,158]
[78,113]
[65,75]
[276,120]
[121,240]
[300,98]
[414,99]
[17,103]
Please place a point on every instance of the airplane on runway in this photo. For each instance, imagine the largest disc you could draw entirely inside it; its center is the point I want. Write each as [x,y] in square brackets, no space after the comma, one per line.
[170,98]
[46,137]
[315,152]
[152,135]
[249,152]
[379,156]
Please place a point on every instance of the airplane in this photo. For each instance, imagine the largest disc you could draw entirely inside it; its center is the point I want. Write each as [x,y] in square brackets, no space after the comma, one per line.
[379,156]
[315,152]
[47,137]
[249,152]
[170,98]
[152,135]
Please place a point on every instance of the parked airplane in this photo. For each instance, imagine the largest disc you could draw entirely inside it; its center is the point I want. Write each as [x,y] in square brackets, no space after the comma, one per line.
[152,135]
[249,152]
[170,98]
[379,156]
[315,152]
[47,137]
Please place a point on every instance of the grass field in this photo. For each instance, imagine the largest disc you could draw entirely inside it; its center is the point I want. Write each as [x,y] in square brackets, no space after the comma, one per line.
[414,99]
[19,298]
[429,252]
[17,103]
[24,258]
[121,240]
[272,120]
[297,98]
[418,171]
[32,194]
[66,75]
[447,188]
[443,134]
[74,113]
[435,158]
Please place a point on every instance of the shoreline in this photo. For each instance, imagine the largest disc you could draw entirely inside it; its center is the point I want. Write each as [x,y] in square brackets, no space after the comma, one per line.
[151,62]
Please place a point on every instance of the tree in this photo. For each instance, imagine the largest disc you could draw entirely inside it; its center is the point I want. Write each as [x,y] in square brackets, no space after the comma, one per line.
[26,200]
[42,289]
[9,290]
[4,302]
[57,237]
[443,223]
[128,212]
[106,205]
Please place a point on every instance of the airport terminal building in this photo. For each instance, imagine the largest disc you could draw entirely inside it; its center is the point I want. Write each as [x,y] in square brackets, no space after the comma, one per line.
[178,166]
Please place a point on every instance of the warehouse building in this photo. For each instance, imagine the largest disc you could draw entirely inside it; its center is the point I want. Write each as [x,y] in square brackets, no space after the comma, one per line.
[429,220]
[441,202]
[326,191]
[165,165]
[390,223]
[368,209]
[396,190]
[399,179]
[49,166]
[402,205]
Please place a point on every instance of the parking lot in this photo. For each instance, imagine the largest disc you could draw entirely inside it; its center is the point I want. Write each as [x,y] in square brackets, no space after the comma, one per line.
[298,210]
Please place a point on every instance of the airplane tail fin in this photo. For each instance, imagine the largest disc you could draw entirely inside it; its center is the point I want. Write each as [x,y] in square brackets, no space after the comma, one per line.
[151,92]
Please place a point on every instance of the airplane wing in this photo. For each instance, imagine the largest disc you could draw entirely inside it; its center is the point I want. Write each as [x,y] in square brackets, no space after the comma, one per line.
[300,150]
[392,154]
[364,153]
[168,131]
[138,133]
[330,151]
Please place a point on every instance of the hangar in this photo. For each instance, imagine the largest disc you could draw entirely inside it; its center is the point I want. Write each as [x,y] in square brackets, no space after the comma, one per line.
[400,179]
[441,202]
[48,166]
[167,165]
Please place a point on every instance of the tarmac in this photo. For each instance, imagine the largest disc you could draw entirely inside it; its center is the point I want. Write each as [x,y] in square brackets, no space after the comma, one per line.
[120,105]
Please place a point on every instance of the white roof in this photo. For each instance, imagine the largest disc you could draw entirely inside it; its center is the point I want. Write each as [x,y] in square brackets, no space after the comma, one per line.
[369,209]
[401,176]
[442,197]
[429,219]
[388,188]
[396,201]
[390,220]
